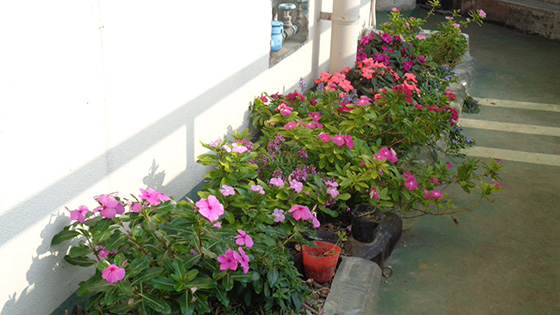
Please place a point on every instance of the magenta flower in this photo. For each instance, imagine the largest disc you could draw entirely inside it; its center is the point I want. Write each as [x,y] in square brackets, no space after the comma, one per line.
[257,188]
[243,260]
[153,197]
[210,208]
[436,194]
[449,165]
[277,181]
[295,185]
[373,193]
[300,212]
[113,274]
[103,253]
[338,140]
[229,260]
[495,181]
[324,137]
[80,214]
[278,215]
[227,190]
[192,251]
[284,109]
[348,141]
[110,206]
[411,183]
[243,239]
[290,125]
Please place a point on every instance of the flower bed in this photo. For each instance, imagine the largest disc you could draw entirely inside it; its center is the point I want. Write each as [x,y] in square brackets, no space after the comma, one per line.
[357,136]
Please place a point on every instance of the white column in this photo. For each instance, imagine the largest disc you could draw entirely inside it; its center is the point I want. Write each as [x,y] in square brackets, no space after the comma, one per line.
[345,33]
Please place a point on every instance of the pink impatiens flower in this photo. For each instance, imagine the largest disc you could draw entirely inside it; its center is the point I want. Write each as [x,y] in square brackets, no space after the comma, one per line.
[257,188]
[243,260]
[80,214]
[110,206]
[324,137]
[210,208]
[153,197]
[229,260]
[295,185]
[278,215]
[243,239]
[276,181]
[227,190]
[113,274]
[300,213]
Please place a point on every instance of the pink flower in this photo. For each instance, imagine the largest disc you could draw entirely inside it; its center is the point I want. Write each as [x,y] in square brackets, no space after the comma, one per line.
[278,215]
[456,25]
[449,165]
[210,208]
[435,181]
[110,206]
[243,260]
[380,171]
[300,213]
[113,274]
[227,191]
[229,260]
[80,214]
[290,125]
[214,143]
[332,191]
[192,251]
[338,140]
[410,182]
[243,239]
[276,181]
[373,193]
[218,225]
[103,253]
[136,207]
[153,197]
[496,182]
[257,188]
[482,13]
[295,185]
[395,9]
[237,148]
[436,194]
[284,109]
[348,141]
[324,137]
[316,223]
[420,37]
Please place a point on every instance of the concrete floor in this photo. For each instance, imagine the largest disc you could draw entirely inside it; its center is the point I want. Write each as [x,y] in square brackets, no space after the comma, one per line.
[503,257]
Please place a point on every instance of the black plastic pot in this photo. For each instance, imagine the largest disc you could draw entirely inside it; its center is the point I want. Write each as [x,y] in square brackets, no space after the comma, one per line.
[365,219]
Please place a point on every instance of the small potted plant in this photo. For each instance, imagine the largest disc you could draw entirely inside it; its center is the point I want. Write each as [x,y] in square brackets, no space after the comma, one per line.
[320,262]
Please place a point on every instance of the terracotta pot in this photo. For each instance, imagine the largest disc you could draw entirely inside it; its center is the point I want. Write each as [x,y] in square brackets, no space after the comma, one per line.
[320,262]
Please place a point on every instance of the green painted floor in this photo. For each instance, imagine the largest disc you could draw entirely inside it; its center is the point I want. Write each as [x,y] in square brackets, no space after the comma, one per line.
[502,257]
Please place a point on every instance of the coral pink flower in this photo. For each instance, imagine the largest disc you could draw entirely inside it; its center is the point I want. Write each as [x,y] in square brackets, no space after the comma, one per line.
[243,239]
[229,260]
[80,214]
[113,274]
[300,213]
[210,208]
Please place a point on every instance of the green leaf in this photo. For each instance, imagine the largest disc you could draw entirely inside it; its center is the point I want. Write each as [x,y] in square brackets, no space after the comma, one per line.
[222,296]
[344,196]
[63,236]
[187,308]
[156,304]
[78,251]
[79,261]
[272,276]
[202,283]
[163,283]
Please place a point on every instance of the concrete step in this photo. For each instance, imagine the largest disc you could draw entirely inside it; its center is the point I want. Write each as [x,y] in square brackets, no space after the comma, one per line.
[541,17]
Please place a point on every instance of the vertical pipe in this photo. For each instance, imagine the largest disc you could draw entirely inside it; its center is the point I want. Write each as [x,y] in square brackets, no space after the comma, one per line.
[345,31]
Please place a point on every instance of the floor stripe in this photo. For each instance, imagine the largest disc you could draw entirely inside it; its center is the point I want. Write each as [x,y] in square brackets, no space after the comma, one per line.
[516,156]
[515,104]
[509,127]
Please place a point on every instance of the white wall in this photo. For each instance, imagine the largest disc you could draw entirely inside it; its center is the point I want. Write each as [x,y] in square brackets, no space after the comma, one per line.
[111,95]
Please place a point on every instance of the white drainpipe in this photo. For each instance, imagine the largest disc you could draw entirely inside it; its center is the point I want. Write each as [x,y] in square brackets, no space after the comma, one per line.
[344,34]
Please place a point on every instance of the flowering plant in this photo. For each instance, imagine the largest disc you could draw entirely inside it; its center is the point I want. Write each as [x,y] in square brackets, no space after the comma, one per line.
[225,252]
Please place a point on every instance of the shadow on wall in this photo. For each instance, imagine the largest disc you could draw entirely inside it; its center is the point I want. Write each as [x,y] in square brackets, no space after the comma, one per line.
[48,268]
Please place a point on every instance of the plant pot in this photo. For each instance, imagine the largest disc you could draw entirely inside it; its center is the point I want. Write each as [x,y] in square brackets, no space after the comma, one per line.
[365,219]
[320,262]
